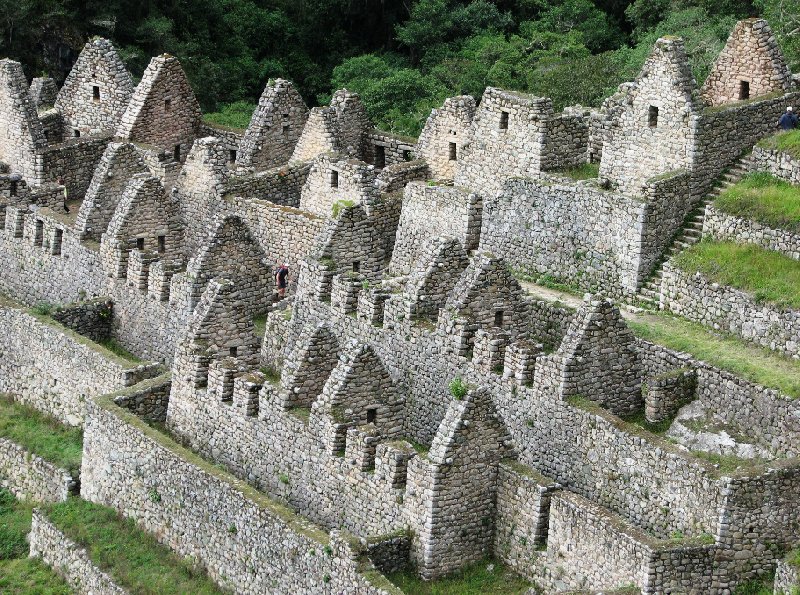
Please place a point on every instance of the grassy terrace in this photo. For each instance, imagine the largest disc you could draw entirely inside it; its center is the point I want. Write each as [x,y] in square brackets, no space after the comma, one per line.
[769,276]
[20,575]
[584,171]
[235,116]
[41,435]
[785,142]
[132,557]
[764,198]
[753,363]
[483,577]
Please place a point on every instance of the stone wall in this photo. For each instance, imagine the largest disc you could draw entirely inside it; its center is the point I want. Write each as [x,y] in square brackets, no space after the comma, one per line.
[723,226]
[442,140]
[396,149]
[250,541]
[579,234]
[56,370]
[147,400]
[163,110]
[31,478]
[281,185]
[119,163]
[787,578]
[333,180]
[751,56]
[274,129]
[19,124]
[695,297]
[96,91]
[654,134]
[778,163]
[74,160]
[33,273]
[91,318]
[69,560]
[429,212]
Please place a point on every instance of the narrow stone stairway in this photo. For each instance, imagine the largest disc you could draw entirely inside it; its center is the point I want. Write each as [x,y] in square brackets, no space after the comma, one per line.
[692,230]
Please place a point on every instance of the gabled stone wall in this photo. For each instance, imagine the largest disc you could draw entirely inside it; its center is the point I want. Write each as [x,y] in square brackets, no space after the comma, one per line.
[96,92]
[442,140]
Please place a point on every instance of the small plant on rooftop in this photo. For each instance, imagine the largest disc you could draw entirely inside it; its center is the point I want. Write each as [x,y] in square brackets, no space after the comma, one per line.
[43,308]
[458,388]
[339,206]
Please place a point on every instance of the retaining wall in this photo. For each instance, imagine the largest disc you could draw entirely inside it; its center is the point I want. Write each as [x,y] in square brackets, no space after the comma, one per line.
[30,477]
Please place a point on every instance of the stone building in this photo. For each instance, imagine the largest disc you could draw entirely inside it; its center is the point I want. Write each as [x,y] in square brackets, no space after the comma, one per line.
[410,405]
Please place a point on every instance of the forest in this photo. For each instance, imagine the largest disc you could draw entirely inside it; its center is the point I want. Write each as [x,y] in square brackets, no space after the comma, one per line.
[403,56]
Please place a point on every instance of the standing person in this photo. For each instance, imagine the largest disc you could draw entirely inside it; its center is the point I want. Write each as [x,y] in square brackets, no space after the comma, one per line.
[788,120]
[282,279]
[61,183]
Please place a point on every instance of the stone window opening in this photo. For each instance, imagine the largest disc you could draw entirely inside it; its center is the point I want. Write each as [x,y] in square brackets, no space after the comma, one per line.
[285,131]
[57,239]
[167,105]
[76,133]
[652,117]
[503,120]
[95,93]
[39,234]
[2,216]
[372,415]
[591,156]
[406,155]
[498,319]
[13,189]
[233,351]
[744,90]
[232,156]
[162,244]
[356,266]
[380,156]
[140,243]
[334,178]
[453,152]
[177,153]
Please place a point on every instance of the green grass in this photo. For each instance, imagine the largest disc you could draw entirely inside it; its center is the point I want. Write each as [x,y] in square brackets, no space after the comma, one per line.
[117,349]
[42,435]
[132,557]
[728,463]
[29,576]
[786,142]
[472,580]
[639,419]
[764,198]
[767,275]
[260,324]
[756,587]
[234,115]
[18,574]
[584,171]
[753,363]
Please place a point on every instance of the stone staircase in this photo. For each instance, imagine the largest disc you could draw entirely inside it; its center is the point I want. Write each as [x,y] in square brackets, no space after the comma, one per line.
[692,230]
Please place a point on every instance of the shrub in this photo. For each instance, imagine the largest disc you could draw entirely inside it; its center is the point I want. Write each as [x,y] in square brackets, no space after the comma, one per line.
[458,388]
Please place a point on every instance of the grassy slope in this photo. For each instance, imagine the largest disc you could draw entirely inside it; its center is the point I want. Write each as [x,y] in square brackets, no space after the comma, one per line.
[20,575]
[769,276]
[132,557]
[235,116]
[41,435]
[786,142]
[473,580]
[763,198]
[753,363]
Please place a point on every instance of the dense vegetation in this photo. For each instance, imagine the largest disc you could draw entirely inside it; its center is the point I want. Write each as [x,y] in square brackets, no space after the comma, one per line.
[403,57]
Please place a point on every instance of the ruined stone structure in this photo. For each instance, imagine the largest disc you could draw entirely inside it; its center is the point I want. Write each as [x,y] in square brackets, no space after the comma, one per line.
[410,405]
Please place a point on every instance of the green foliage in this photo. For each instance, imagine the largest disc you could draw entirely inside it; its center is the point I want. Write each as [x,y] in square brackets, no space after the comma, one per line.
[235,115]
[585,171]
[728,353]
[43,308]
[763,198]
[339,206]
[459,389]
[18,573]
[132,557]
[483,577]
[24,576]
[41,435]
[768,276]
[787,142]
[116,348]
